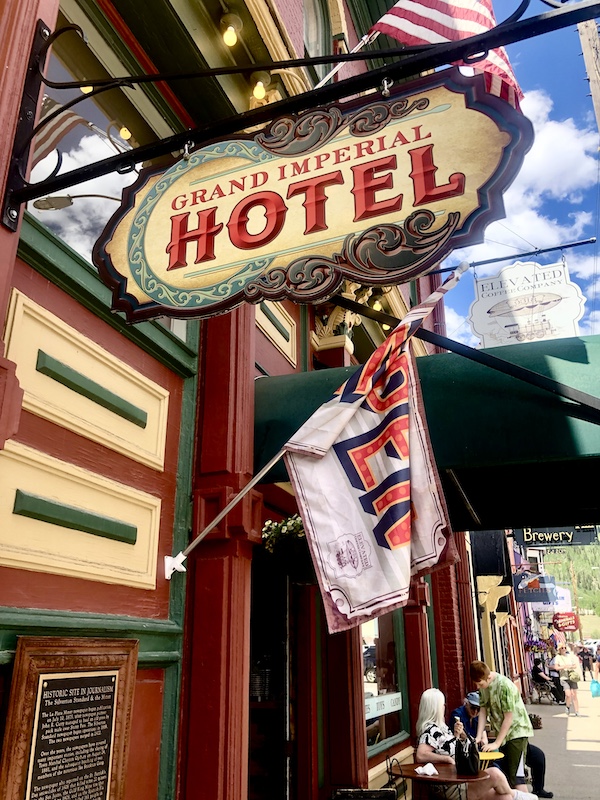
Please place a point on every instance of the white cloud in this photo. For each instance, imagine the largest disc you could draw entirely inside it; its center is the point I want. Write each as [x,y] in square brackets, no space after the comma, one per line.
[81,223]
[547,205]
[458,328]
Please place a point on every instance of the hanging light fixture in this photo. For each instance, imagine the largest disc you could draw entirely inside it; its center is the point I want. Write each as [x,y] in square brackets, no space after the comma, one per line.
[231,25]
[261,81]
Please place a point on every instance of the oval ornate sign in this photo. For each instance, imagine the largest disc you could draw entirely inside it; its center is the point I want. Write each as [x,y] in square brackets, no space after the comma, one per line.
[377,191]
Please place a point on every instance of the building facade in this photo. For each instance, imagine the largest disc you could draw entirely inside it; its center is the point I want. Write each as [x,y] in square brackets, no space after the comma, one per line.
[120,443]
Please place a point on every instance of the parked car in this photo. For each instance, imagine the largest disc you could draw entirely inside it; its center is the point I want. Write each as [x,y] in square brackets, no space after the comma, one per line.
[369,663]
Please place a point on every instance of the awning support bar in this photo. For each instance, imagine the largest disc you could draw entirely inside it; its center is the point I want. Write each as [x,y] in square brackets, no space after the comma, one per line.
[175,563]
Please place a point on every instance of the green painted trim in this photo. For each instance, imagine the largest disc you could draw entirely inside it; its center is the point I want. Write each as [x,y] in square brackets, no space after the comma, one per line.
[160,639]
[167,778]
[275,321]
[40,508]
[79,383]
[61,265]
[414,297]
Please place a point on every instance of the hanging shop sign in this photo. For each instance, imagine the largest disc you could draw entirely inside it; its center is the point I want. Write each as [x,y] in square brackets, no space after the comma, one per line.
[526,301]
[532,588]
[566,622]
[545,537]
[377,191]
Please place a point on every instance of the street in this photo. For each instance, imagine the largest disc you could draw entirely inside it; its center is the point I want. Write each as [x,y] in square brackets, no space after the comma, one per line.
[572,747]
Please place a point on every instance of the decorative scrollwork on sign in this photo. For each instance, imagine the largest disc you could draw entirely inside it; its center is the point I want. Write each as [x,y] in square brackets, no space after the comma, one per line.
[291,136]
[381,255]
[306,280]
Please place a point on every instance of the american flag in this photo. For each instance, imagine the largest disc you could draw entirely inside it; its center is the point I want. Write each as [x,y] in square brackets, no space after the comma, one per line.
[51,134]
[418,22]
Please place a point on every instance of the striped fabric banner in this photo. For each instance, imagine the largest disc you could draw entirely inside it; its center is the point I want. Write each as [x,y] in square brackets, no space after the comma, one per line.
[418,22]
[367,486]
[51,134]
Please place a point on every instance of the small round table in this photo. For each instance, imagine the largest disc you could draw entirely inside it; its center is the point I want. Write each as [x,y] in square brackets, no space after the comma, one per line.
[447,775]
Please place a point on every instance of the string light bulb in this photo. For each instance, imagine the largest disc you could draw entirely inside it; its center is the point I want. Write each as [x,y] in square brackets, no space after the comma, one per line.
[231,25]
[261,81]
[124,133]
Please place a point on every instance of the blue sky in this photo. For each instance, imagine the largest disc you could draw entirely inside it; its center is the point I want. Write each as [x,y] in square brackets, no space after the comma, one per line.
[554,200]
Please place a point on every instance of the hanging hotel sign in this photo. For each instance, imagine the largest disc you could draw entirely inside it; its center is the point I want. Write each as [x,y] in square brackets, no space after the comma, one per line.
[376,191]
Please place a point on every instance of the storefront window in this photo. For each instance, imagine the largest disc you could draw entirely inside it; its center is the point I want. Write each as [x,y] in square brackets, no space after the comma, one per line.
[384,680]
[317,33]
[94,129]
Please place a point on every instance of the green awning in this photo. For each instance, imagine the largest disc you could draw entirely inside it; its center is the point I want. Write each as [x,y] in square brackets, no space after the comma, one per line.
[509,454]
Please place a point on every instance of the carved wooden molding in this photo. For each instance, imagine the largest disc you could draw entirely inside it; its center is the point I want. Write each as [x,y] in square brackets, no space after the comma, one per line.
[64,689]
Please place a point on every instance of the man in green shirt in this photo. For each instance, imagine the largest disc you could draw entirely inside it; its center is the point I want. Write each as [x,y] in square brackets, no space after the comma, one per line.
[502,705]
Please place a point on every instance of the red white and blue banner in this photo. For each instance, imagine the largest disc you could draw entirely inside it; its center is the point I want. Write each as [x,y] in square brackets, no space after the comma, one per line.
[367,485]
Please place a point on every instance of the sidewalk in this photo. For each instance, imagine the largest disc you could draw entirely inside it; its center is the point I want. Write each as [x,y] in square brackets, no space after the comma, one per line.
[572,747]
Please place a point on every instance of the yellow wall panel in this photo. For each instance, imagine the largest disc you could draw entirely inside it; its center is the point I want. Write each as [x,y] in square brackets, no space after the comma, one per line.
[31,329]
[33,544]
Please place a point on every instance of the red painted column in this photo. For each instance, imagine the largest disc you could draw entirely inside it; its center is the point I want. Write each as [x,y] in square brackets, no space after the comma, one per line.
[217,654]
[464,582]
[18,20]
[418,652]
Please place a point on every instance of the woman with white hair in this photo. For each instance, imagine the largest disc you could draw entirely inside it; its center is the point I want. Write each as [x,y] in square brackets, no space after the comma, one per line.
[437,743]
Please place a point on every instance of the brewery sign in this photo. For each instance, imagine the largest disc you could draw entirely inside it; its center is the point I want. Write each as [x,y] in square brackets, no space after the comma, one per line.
[376,190]
[545,537]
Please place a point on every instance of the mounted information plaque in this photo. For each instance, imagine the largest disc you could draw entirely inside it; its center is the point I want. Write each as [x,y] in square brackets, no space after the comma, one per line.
[68,720]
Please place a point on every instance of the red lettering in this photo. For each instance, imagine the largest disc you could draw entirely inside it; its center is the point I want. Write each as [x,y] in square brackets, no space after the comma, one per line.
[341,154]
[198,196]
[364,147]
[203,235]
[258,179]
[399,137]
[423,178]
[418,137]
[275,211]
[366,185]
[315,198]
[300,168]
[321,158]
[179,202]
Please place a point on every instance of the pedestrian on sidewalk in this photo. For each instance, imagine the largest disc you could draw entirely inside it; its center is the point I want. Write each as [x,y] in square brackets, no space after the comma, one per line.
[586,662]
[567,664]
[501,702]
[597,663]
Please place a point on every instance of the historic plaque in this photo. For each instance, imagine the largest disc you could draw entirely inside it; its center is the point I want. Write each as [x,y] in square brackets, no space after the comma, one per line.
[72,734]
[70,706]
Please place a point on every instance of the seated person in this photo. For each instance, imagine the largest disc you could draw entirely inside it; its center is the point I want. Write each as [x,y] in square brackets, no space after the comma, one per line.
[467,713]
[436,744]
[535,758]
[539,677]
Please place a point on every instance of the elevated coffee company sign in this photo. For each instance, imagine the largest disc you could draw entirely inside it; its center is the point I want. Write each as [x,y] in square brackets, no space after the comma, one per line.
[377,191]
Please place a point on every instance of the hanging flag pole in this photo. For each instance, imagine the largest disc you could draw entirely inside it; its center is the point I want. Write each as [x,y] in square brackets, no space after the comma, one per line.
[175,563]
[366,39]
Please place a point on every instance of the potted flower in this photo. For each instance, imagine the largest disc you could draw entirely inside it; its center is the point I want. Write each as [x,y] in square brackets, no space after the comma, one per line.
[286,541]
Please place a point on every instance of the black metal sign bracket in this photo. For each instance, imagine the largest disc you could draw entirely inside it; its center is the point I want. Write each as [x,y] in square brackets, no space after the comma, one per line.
[410,63]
